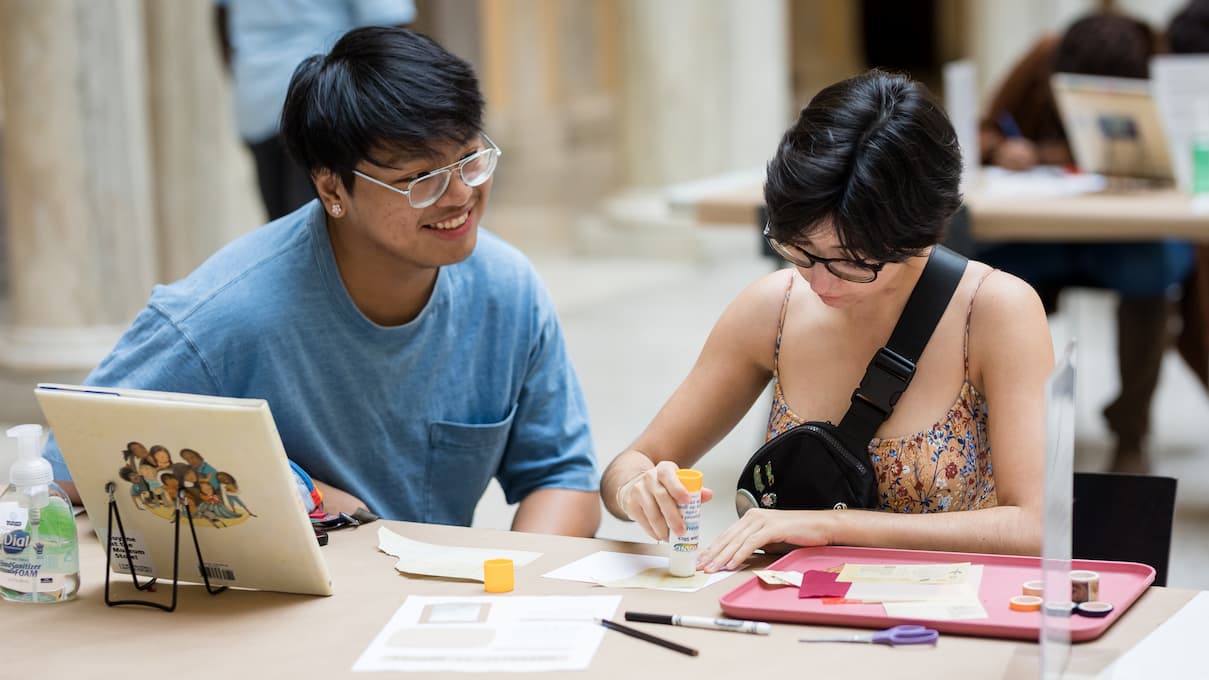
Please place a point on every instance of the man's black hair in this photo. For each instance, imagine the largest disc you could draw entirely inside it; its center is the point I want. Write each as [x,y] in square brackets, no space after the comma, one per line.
[383,91]
[1188,32]
[876,157]
[1106,44]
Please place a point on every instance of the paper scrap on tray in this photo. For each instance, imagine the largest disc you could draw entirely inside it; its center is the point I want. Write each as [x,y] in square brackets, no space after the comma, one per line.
[450,561]
[905,573]
[626,570]
[490,634]
[820,584]
[937,592]
[779,578]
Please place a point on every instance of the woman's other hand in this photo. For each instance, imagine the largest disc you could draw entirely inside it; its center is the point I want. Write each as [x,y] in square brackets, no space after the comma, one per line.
[759,528]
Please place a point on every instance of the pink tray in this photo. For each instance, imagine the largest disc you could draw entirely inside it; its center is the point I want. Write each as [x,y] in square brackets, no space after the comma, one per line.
[1121,583]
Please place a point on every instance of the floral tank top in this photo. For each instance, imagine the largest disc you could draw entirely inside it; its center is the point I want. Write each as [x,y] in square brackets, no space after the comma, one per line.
[945,467]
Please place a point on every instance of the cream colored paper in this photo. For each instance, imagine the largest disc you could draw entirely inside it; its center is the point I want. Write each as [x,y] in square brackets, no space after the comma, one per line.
[905,573]
[936,602]
[659,578]
[450,561]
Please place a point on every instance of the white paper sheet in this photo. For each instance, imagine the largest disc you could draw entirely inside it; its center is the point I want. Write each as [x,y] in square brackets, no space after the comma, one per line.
[1040,182]
[490,634]
[1176,649]
[1180,83]
[450,561]
[604,568]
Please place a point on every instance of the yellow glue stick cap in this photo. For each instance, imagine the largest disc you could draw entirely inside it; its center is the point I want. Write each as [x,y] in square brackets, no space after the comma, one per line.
[498,576]
[691,479]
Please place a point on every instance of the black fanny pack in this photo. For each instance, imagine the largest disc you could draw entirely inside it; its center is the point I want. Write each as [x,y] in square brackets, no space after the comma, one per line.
[818,465]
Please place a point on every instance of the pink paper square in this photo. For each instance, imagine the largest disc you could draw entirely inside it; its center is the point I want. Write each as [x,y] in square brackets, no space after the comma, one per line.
[822,584]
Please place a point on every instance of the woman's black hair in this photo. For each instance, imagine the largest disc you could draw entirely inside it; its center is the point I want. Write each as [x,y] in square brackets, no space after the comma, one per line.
[1188,32]
[384,90]
[1106,44]
[876,157]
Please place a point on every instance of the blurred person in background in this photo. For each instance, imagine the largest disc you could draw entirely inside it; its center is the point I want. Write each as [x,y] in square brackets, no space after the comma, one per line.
[1022,128]
[263,41]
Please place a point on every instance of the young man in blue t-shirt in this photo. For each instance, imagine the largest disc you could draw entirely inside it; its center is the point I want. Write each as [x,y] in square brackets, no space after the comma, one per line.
[408,357]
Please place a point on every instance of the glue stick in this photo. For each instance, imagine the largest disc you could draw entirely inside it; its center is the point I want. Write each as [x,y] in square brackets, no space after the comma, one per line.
[683,559]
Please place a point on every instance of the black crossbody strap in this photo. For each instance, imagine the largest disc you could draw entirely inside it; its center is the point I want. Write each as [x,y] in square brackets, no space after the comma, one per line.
[892,368]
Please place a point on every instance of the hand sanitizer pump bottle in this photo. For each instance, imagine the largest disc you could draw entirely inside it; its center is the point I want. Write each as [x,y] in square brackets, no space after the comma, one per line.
[39,549]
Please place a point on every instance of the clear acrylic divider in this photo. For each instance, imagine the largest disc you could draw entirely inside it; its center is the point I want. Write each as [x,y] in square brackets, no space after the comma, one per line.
[1056,536]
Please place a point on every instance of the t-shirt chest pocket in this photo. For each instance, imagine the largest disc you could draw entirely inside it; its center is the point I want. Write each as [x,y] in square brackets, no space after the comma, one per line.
[465,457]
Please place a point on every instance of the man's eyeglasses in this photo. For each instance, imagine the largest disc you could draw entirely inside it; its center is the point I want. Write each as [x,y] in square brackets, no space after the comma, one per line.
[427,189]
[855,271]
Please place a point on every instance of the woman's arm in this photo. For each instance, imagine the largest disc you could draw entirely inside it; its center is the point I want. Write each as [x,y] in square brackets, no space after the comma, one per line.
[1011,356]
[733,368]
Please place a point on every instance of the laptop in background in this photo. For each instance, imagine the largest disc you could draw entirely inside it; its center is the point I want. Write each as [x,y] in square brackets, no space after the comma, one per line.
[225,454]
[1113,126]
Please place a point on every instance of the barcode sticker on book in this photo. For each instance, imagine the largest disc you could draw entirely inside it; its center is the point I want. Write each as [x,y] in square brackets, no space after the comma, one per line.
[217,570]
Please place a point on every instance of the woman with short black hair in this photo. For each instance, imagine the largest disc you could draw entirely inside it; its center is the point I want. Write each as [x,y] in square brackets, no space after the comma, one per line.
[859,193]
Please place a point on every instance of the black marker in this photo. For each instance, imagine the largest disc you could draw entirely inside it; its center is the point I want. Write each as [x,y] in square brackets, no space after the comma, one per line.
[667,644]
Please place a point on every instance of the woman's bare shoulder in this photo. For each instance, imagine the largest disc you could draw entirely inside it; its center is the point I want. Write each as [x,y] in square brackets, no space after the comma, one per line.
[1002,294]
[1007,323]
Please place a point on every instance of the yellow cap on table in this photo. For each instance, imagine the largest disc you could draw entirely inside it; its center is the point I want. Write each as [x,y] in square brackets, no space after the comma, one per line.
[498,576]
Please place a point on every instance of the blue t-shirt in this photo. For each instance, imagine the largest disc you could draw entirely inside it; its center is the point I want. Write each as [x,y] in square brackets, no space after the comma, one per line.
[269,38]
[413,419]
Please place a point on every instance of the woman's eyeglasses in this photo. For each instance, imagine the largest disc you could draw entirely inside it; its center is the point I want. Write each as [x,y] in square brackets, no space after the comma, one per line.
[856,271]
[422,192]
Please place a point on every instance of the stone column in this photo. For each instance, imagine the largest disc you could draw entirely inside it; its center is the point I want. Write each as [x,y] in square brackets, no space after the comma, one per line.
[81,250]
[705,92]
[543,68]
[204,183]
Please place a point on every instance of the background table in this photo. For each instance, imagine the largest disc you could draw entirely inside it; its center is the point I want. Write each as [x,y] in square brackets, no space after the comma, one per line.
[244,634]
[1103,216]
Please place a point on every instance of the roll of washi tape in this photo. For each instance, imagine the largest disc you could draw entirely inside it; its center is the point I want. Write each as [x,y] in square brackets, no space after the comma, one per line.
[1025,603]
[1058,608]
[1032,588]
[1095,609]
[1084,586]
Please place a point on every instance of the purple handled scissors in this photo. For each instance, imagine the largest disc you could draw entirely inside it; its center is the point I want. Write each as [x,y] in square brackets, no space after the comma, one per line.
[898,635]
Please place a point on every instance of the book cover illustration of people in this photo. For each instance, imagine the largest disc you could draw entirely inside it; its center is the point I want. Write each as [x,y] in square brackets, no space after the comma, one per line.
[157,484]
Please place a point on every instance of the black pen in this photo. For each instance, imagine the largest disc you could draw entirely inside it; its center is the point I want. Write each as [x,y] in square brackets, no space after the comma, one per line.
[613,625]
[754,627]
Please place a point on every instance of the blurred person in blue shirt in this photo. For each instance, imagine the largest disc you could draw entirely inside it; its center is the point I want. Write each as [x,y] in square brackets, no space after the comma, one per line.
[263,41]
[407,355]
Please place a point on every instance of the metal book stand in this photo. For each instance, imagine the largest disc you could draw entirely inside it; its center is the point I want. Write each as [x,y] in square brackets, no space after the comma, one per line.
[148,586]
